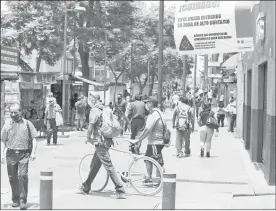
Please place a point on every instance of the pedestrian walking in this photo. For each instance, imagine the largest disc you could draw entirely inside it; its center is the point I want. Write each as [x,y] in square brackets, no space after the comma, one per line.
[221,114]
[101,156]
[175,100]
[182,122]
[154,132]
[136,113]
[80,113]
[50,120]
[206,130]
[19,138]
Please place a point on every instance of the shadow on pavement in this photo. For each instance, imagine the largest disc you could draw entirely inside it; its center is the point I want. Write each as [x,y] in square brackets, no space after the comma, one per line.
[29,205]
[211,182]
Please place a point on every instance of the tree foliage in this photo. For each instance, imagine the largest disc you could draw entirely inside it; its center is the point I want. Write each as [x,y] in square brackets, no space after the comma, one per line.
[34,25]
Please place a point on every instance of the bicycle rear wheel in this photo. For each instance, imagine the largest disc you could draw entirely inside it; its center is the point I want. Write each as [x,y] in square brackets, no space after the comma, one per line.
[143,180]
[101,179]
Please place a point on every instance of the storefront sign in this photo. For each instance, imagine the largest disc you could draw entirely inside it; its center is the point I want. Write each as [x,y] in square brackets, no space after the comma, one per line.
[9,56]
[214,75]
[210,27]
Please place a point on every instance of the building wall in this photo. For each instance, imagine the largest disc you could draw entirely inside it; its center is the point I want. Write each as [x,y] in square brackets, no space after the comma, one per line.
[259,106]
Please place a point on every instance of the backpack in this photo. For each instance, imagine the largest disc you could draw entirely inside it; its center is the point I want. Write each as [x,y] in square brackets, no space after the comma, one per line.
[211,122]
[183,123]
[109,125]
[166,133]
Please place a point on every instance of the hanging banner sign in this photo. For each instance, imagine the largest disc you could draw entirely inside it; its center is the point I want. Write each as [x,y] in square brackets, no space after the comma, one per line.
[210,27]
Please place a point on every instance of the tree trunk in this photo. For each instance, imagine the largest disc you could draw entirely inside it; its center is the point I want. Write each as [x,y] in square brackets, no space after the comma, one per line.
[38,62]
[84,56]
[115,89]
[151,84]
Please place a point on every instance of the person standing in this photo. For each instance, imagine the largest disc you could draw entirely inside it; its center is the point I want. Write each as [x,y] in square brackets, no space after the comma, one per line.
[80,113]
[101,156]
[127,125]
[232,112]
[19,138]
[136,113]
[206,133]
[120,109]
[182,119]
[50,120]
[73,108]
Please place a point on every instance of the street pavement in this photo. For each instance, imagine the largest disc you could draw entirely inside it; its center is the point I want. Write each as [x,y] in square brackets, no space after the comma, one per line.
[226,180]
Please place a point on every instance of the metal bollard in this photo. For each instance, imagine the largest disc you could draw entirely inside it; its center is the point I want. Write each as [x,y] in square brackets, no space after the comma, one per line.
[46,190]
[169,188]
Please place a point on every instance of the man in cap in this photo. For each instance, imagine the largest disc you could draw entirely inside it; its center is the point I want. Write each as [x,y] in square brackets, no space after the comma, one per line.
[19,138]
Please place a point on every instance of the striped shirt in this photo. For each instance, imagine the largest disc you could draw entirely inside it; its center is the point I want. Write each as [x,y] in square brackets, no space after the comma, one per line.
[16,136]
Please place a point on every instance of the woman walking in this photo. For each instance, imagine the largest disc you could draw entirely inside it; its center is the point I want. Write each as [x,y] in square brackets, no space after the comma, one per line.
[80,113]
[206,130]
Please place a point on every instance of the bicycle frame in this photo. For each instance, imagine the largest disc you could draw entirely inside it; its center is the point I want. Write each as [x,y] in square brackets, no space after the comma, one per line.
[134,158]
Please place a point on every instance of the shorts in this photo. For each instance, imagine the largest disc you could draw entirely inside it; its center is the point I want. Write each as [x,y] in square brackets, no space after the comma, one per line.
[155,152]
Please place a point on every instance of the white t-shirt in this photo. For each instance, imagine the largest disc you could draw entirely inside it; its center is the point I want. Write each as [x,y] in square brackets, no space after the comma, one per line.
[175,99]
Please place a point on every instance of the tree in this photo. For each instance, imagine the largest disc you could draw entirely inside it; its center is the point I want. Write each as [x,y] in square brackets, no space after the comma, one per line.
[35,26]
[101,16]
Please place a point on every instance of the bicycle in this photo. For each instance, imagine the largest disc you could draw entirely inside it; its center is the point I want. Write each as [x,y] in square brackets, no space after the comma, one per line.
[150,185]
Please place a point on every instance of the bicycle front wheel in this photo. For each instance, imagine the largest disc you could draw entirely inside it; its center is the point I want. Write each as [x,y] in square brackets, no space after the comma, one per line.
[146,176]
[101,179]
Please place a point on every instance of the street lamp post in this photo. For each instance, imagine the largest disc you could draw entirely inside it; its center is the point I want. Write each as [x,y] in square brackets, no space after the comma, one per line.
[64,63]
[105,57]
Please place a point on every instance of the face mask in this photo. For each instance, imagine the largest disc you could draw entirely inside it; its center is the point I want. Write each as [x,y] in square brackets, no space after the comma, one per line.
[15,117]
[147,107]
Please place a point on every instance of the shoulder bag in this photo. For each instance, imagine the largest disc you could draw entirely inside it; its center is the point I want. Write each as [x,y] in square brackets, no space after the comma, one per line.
[166,133]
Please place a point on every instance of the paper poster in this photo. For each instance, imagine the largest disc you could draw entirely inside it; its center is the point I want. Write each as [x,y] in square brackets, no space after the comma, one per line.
[210,27]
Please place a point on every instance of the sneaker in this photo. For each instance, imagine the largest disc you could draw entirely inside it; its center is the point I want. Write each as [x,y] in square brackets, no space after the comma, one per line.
[180,155]
[148,180]
[81,190]
[15,204]
[201,152]
[208,154]
[118,196]
[23,206]
[48,144]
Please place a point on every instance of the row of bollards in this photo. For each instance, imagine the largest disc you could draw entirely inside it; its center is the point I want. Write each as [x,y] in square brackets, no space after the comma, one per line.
[46,191]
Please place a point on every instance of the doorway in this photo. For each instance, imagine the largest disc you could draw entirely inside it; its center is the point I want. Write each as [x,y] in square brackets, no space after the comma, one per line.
[263,72]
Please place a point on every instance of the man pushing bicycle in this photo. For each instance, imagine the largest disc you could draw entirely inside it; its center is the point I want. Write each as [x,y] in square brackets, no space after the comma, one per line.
[97,119]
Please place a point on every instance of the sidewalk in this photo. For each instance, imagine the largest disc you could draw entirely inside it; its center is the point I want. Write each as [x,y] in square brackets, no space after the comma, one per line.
[202,183]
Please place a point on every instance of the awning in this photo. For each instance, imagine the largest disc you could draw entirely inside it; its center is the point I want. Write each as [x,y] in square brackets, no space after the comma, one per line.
[27,85]
[231,63]
[85,80]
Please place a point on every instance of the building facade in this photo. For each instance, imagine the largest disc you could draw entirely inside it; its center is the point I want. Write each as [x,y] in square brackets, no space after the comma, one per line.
[259,91]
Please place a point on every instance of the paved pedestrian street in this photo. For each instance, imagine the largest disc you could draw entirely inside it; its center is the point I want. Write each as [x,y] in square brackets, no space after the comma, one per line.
[226,180]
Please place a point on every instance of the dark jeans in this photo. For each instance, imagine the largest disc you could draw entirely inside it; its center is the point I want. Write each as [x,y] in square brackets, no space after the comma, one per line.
[136,125]
[181,138]
[221,118]
[17,165]
[52,129]
[102,157]
[232,122]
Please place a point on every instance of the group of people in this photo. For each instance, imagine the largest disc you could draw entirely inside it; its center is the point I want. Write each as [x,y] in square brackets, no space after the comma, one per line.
[141,116]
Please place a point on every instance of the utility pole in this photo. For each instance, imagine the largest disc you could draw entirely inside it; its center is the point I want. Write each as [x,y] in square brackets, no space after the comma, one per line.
[64,72]
[131,60]
[206,70]
[184,75]
[160,56]
[105,58]
[194,98]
